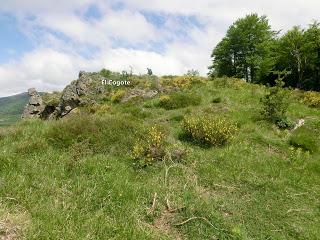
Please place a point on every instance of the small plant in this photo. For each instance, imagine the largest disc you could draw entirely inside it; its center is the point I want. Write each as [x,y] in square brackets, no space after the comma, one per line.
[208,130]
[312,99]
[216,100]
[275,105]
[179,100]
[150,148]
[305,139]
[118,95]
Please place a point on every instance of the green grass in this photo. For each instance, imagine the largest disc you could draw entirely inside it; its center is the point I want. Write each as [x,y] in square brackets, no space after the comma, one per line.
[75,179]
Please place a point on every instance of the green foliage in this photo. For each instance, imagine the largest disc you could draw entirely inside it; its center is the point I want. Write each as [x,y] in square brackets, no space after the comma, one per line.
[244,51]
[118,95]
[312,99]
[51,99]
[216,100]
[179,100]
[150,148]
[209,130]
[104,134]
[251,50]
[275,105]
[304,138]
[105,73]
[181,82]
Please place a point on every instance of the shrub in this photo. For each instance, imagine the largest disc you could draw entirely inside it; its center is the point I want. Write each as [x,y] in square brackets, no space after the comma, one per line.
[304,138]
[179,100]
[312,99]
[118,95]
[275,105]
[208,130]
[216,100]
[150,148]
[181,81]
[107,134]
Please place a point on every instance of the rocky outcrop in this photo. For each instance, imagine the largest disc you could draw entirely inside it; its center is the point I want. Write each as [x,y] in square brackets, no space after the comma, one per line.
[136,93]
[80,92]
[35,106]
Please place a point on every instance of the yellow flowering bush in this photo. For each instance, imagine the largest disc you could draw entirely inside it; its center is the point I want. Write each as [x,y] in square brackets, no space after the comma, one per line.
[150,148]
[118,95]
[209,130]
[181,81]
[312,99]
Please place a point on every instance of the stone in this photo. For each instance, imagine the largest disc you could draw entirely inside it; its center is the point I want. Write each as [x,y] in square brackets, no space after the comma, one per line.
[80,92]
[35,106]
[134,93]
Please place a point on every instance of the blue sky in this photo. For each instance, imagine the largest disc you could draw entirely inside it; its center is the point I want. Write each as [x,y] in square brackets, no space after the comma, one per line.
[44,44]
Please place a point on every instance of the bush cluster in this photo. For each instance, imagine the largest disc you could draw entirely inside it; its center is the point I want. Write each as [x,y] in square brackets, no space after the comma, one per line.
[150,148]
[181,81]
[209,130]
[179,100]
[312,99]
[118,95]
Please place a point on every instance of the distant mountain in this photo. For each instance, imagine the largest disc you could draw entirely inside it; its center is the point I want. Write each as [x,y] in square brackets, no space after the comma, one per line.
[11,108]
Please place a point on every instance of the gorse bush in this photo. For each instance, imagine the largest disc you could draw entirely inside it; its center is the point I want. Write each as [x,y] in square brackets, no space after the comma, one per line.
[150,148]
[181,81]
[118,95]
[304,138]
[179,100]
[312,99]
[208,130]
[275,105]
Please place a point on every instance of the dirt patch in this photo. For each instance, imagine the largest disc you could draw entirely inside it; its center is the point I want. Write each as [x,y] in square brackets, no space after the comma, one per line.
[13,224]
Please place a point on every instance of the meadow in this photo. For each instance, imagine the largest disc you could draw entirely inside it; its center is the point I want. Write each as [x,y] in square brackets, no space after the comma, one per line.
[78,177]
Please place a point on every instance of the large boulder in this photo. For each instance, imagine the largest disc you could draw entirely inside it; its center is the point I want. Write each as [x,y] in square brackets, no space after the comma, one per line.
[80,92]
[35,106]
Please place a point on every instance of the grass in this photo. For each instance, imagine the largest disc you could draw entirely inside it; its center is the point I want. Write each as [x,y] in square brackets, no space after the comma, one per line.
[74,179]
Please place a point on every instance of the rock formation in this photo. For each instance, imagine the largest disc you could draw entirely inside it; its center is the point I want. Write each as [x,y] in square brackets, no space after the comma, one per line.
[80,92]
[35,106]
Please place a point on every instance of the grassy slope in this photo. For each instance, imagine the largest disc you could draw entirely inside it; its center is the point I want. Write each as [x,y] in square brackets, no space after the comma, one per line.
[249,189]
[11,108]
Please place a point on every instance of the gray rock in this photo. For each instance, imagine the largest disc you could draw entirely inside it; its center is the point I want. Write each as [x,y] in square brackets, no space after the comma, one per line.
[35,106]
[80,92]
[134,93]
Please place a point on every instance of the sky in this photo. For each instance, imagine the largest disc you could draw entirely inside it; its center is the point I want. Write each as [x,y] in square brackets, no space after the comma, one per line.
[45,43]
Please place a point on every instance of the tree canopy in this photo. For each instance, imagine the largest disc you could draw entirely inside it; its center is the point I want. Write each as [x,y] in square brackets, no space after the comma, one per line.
[253,51]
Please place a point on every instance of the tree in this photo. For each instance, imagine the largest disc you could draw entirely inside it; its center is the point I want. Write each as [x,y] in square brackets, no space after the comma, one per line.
[244,51]
[312,39]
[291,55]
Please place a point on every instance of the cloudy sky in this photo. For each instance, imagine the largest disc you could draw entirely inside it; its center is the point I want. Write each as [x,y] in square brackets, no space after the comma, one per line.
[45,43]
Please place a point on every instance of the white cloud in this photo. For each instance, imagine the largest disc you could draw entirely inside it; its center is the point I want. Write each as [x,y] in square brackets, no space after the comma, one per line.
[58,57]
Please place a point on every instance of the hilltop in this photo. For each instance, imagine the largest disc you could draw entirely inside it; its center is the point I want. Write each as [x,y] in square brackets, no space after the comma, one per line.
[173,157]
[11,108]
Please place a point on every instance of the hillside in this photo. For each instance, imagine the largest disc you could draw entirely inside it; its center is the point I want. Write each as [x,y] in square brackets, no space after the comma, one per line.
[139,168]
[11,108]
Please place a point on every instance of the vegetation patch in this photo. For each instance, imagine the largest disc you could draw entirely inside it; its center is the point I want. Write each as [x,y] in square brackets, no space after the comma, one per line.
[304,138]
[312,99]
[103,134]
[209,130]
[150,148]
[275,106]
[179,100]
